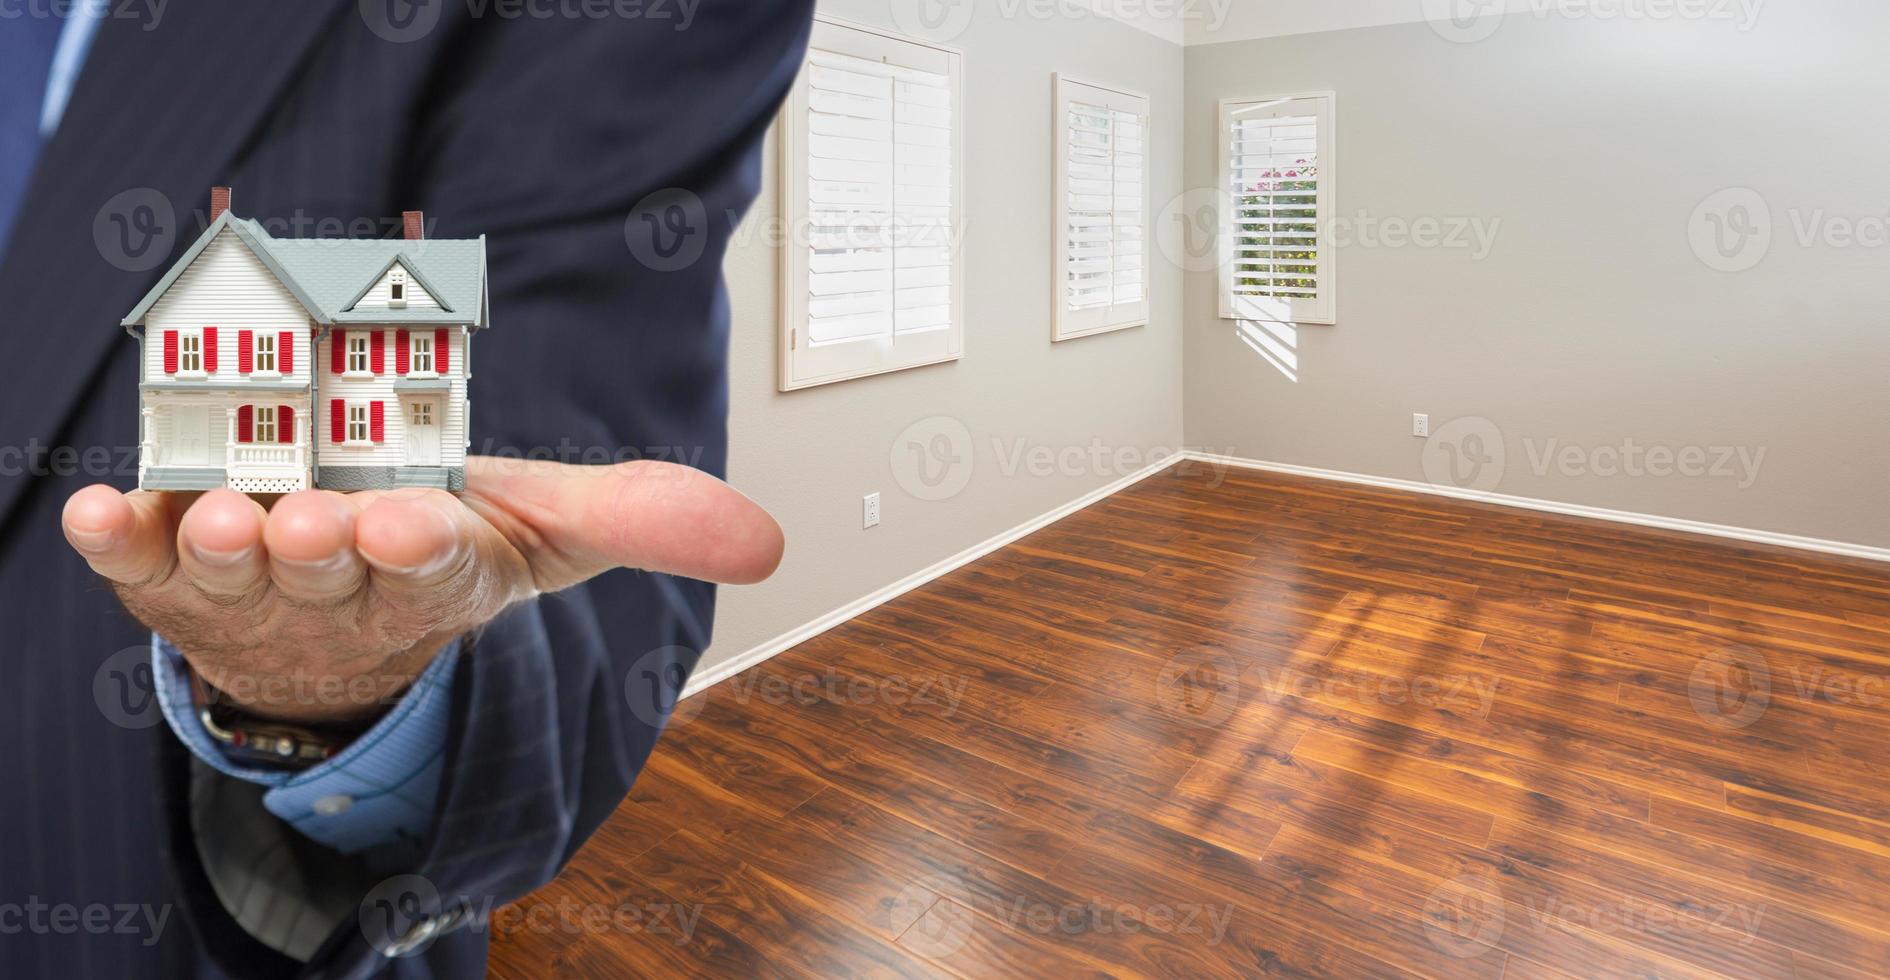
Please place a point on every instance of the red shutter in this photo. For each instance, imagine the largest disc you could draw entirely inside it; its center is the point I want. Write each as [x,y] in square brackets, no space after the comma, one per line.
[377,421]
[285,351]
[377,351]
[170,352]
[337,422]
[285,423]
[338,356]
[210,350]
[439,351]
[245,423]
[245,351]
[400,352]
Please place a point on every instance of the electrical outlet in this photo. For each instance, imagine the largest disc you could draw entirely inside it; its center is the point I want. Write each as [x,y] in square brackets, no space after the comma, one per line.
[869,513]
[1421,425]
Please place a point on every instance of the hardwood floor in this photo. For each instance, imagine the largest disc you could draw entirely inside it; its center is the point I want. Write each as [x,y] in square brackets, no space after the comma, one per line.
[1258,724]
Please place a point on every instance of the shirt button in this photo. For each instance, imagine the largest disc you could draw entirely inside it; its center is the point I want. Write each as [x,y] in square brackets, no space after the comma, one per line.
[332,806]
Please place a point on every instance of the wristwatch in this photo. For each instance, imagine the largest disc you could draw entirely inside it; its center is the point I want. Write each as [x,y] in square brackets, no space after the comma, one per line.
[267,742]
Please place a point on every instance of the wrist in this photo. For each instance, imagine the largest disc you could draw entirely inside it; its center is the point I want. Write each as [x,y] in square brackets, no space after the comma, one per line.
[351,698]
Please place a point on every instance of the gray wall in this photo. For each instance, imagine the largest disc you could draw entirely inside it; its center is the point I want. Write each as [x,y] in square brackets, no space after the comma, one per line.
[1592,321]
[808,456]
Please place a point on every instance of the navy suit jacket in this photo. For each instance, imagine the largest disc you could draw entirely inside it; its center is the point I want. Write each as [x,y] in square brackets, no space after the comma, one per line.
[329,117]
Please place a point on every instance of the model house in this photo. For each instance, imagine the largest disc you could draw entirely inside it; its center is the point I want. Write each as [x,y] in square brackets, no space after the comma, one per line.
[269,365]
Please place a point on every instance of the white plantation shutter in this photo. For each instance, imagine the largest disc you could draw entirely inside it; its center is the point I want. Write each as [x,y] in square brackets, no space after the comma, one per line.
[1277,169]
[1101,197]
[870,174]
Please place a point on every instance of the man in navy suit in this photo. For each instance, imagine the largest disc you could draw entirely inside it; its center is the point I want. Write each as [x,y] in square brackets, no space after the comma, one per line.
[511,654]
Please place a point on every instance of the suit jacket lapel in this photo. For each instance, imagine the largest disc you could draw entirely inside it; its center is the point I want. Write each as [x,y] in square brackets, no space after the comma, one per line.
[157,116]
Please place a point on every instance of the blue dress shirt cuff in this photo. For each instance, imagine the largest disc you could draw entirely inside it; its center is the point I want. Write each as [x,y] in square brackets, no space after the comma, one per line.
[379,790]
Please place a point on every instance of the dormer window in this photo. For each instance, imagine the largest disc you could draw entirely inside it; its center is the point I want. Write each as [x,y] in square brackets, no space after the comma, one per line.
[397,288]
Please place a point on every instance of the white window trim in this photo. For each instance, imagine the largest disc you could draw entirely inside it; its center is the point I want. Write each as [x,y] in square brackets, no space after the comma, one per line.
[414,341]
[367,425]
[847,37]
[1325,309]
[184,338]
[366,370]
[258,420]
[397,281]
[256,355]
[1065,323]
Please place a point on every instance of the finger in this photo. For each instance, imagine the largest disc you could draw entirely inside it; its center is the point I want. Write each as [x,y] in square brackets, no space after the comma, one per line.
[309,536]
[124,537]
[426,552]
[220,544]
[573,522]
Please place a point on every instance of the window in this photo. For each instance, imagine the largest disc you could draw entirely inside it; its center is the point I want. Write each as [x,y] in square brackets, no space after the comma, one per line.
[397,288]
[422,358]
[357,353]
[358,422]
[421,414]
[190,353]
[265,352]
[1101,199]
[1277,165]
[872,184]
[265,426]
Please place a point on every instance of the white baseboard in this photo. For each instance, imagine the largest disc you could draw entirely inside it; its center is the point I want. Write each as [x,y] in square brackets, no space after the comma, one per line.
[704,679]
[1844,548]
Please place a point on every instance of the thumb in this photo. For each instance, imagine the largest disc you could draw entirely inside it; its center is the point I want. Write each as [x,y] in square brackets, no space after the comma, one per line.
[575,522]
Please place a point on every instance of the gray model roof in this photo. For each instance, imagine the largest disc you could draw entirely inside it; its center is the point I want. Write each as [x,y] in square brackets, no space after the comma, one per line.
[328,276]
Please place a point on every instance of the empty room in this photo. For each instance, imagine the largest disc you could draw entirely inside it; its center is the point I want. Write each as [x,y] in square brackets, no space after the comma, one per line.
[1335,493]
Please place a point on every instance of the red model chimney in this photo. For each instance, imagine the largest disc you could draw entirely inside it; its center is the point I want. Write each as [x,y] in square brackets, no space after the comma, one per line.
[413,225]
[219,202]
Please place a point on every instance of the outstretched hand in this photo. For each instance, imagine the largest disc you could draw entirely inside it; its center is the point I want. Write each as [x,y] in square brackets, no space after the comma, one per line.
[283,608]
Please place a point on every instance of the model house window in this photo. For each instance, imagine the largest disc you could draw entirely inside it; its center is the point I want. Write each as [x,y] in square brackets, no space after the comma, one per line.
[357,353]
[1101,198]
[422,354]
[1277,165]
[397,288]
[265,426]
[872,170]
[190,353]
[357,422]
[265,352]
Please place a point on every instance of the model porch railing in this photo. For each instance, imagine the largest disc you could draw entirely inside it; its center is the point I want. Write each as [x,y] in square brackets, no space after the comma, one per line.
[255,455]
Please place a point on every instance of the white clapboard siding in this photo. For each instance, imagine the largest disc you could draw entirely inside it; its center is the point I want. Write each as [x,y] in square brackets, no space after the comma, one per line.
[392,451]
[227,287]
[417,296]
